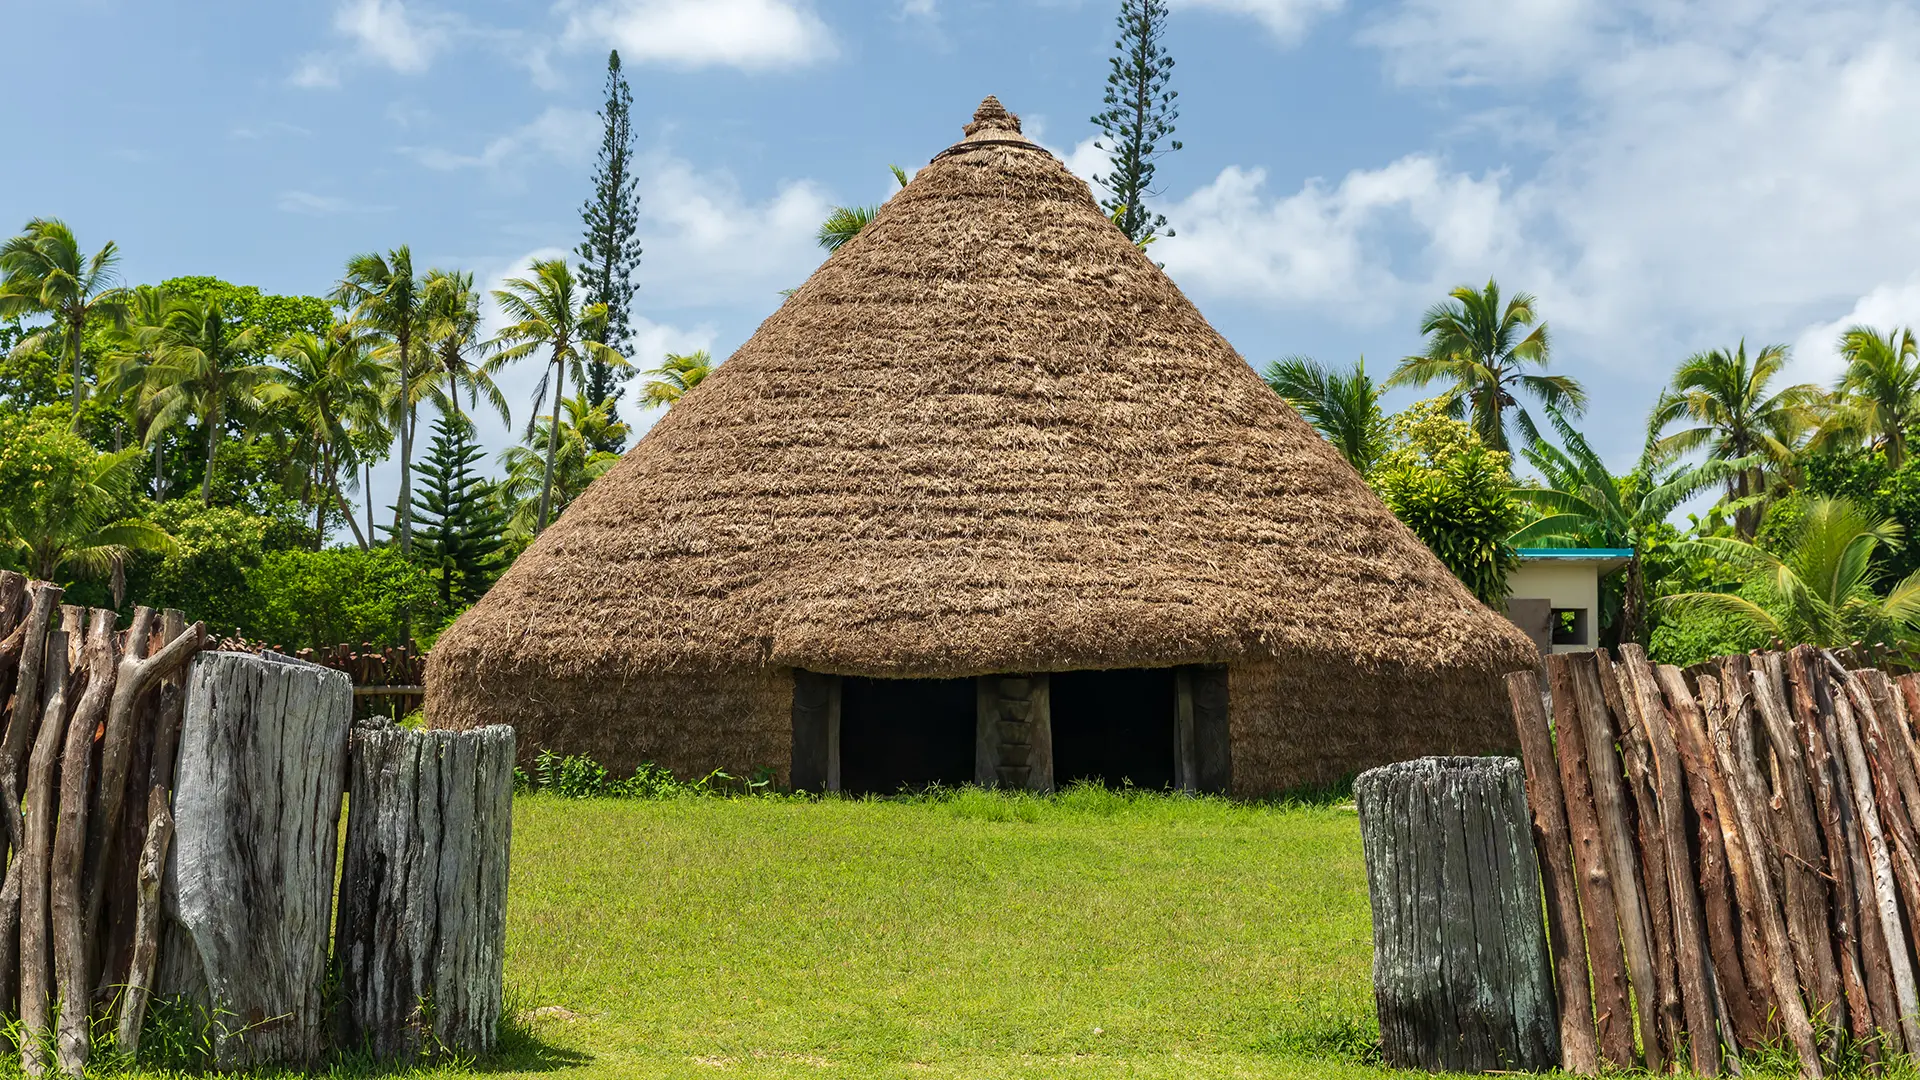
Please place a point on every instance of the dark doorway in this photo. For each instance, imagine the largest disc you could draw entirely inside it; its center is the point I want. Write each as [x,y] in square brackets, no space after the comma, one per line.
[905,733]
[1112,727]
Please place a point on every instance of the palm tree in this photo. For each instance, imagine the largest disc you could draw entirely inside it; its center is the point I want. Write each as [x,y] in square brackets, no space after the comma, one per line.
[1584,505]
[679,373]
[584,426]
[83,531]
[203,367]
[1484,349]
[1725,395]
[1823,583]
[383,295]
[43,272]
[1879,394]
[329,382]
[845,222]
[1343,406]
[452,309]
[550,312]
[130,366]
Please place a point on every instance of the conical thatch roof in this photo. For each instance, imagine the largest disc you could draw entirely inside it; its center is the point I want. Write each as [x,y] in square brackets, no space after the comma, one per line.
[988,434]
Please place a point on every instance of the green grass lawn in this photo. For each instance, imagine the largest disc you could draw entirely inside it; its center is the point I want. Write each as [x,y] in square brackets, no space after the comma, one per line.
[979,936]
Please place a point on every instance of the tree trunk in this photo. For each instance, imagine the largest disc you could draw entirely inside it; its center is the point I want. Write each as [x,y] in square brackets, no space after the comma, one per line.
[1886,902]
[1612,1006]
[423,891]
[1691,968]
[1579,1052]
[76,328]
[553,443]
[1633,603]
[213,443]
[1610,803]
[1461,977]
[1766,908]
[153,853]
[32,861]
[346,514]
[261,766]
[70,937]
[1812,701]
[1802,859]
[406,447]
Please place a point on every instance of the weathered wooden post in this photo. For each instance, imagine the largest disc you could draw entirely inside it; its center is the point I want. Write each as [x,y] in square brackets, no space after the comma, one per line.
[1460,971]
[423,893]
[249,884]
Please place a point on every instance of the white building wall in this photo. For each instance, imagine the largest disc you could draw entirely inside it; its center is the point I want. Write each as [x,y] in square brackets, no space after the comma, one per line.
[1565,583]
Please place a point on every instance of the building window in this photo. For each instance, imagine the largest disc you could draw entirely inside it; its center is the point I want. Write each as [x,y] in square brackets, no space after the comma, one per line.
[1570,626]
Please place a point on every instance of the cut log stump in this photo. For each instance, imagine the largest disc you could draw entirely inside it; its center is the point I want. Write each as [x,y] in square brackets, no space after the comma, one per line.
[249,883]
[1460,971]
[423,893]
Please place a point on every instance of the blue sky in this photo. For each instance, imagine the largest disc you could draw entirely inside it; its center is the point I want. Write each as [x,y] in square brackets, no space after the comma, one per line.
[1667,175]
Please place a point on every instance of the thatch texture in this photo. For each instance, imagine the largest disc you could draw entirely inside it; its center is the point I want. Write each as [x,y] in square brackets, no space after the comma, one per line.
[987,435]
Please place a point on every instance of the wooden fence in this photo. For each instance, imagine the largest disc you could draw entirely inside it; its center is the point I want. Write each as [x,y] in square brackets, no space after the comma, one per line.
[1735,845]
[388,680]
[169,817]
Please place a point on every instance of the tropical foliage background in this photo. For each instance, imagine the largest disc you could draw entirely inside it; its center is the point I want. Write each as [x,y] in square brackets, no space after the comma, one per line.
[201,444]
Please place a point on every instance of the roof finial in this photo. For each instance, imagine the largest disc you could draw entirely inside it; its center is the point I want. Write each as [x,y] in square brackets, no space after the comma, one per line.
[993,116]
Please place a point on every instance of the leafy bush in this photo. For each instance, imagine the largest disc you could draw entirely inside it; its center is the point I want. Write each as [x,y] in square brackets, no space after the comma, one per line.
[577,777]
[308,599]
[1455,494]
[1690,635]
[217,549]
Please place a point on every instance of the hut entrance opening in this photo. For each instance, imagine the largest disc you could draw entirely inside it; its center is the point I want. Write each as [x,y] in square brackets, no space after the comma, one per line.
[1154,728]
[905,733]
[1115,727]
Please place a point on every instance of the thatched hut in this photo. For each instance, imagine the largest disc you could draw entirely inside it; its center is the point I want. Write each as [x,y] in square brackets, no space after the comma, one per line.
[986,499]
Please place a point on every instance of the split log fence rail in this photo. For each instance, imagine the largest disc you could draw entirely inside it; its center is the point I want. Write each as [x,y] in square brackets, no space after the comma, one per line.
[1730,856]
[388,680]
[169,818]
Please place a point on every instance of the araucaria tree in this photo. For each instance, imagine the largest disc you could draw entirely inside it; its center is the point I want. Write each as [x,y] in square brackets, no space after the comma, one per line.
[610,251]
[1138,118]
[461,527]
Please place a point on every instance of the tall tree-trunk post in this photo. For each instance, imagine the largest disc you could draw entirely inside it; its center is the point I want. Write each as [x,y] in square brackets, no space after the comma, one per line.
[260,771]
[1461,975]
[1613,1010]
[1579,1052]
[423,892]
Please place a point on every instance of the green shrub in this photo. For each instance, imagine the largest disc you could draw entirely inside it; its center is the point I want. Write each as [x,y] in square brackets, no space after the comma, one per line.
[309,599]
[577,777]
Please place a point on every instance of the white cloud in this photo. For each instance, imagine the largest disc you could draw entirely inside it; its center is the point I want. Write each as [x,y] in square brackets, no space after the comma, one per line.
[1086,160]
[919,9]
[382,33]
[1285,19]
[1712,171]
[562,134]
[747,34]
[306,202]
[1478,41]
[1336,246]
[383,30]
[316,73]
[723,244]
[1816,356]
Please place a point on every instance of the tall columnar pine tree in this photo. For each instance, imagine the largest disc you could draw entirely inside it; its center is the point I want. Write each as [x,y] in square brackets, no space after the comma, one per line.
[1138,118]
[459,527]
[610,251]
